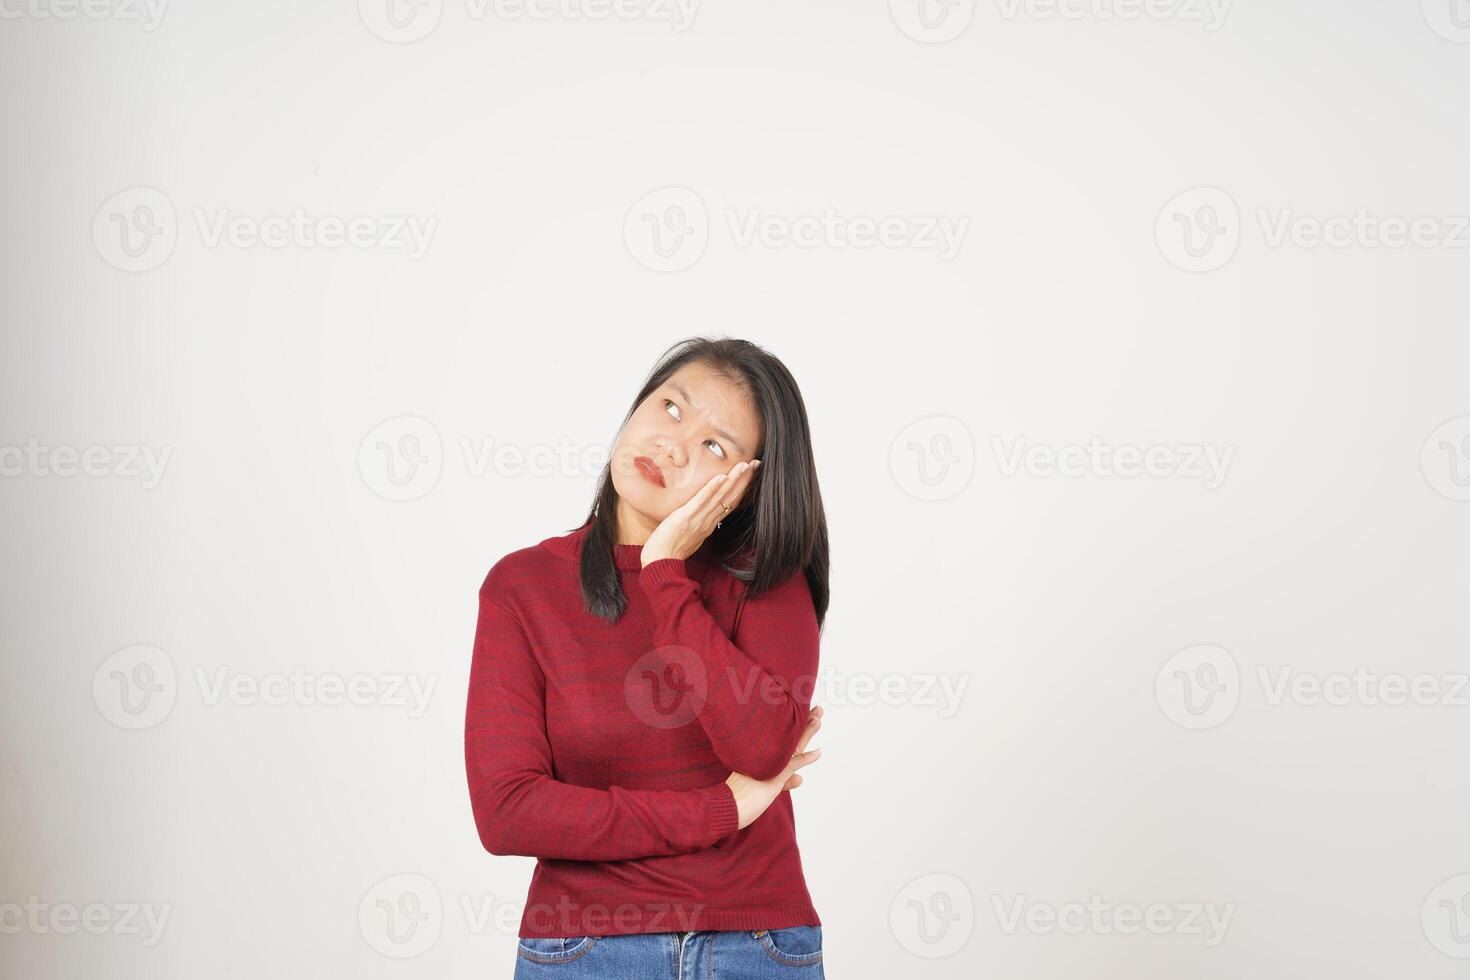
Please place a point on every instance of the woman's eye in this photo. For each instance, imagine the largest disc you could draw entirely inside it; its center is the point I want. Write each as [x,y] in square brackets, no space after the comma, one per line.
[673,410]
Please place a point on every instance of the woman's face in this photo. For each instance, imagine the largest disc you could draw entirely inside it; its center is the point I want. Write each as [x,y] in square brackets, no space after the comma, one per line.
[694,425]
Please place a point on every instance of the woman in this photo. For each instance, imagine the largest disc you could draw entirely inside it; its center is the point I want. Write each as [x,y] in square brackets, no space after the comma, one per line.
[640,693]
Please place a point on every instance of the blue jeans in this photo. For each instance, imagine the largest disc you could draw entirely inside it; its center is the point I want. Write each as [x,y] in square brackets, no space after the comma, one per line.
[794,953]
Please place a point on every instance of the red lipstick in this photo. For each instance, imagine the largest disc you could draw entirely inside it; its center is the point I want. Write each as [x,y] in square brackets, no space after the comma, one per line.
[650,471]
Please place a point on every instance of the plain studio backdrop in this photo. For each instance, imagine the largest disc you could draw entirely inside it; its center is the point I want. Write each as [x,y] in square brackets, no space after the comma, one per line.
[1134,341]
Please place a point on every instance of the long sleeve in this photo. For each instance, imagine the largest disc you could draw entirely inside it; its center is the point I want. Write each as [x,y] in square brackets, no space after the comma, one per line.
[758,695]
[520,809]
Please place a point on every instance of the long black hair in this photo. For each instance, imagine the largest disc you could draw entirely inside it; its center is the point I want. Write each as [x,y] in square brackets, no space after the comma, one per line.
[777,529]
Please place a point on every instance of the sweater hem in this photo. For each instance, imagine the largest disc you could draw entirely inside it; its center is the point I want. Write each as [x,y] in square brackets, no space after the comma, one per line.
[688,918]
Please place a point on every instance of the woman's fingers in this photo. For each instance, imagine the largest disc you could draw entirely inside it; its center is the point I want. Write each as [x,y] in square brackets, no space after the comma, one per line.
[707,494]
[793,782]
[705,504]
[813,725]
[732,488]
[813,722]
[804,759]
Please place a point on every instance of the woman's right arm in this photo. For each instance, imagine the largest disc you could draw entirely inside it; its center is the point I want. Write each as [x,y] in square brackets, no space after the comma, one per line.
[520,809]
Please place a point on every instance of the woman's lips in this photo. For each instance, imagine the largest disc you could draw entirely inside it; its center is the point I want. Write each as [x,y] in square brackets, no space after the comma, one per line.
[650,472]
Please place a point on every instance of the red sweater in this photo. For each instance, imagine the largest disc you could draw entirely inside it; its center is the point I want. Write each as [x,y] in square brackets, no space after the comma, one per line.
[602,748]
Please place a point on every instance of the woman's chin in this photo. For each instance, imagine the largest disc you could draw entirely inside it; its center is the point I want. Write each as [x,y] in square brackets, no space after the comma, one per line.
[648,500]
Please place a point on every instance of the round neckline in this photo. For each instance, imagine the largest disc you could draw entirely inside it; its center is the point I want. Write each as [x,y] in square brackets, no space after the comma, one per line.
[628,555]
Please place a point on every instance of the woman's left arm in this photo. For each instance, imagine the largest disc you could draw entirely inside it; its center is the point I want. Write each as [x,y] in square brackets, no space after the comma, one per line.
[758,694]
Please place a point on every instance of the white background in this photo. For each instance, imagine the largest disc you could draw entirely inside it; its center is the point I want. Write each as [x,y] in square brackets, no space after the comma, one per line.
[1071,766]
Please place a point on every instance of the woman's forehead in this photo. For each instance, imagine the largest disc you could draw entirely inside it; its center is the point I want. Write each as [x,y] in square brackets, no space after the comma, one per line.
[730,404]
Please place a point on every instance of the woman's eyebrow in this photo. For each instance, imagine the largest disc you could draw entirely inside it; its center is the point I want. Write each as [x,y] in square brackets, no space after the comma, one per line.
[718,431]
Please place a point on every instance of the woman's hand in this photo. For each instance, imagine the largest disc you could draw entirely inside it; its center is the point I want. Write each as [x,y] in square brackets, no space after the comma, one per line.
[681,533]
[753,796]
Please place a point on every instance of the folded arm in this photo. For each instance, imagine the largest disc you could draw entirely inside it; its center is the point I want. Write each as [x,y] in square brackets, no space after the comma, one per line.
[758,694]
[520,809]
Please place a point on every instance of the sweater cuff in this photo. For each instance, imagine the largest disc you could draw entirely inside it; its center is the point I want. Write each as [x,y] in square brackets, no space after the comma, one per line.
[662,570]
[724,814]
